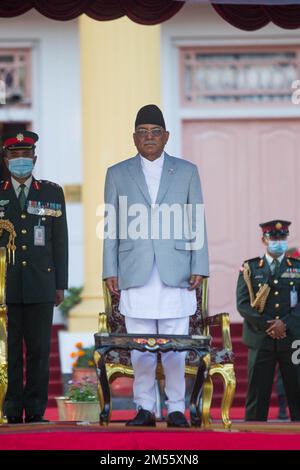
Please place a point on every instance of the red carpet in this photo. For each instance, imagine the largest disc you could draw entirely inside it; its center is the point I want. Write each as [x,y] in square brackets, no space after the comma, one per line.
[151,441]
[83,436]
[117,437]
[123,415]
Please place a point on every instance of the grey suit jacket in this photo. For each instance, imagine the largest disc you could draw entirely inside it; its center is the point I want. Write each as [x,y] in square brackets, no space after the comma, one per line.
[130,258]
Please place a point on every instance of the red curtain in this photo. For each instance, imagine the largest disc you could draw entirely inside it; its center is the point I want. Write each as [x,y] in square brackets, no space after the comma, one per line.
[141,11]
[252,17]
[246,17]
[287,17]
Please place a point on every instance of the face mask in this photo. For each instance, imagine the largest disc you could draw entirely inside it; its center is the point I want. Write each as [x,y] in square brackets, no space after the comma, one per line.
[21,167]
[277,247]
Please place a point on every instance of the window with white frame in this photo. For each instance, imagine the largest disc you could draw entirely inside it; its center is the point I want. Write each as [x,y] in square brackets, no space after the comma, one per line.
[15,76]
[237,76]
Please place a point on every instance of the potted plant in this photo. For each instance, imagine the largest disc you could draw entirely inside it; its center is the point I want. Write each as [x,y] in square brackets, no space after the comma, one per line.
[81,402]
[83,366]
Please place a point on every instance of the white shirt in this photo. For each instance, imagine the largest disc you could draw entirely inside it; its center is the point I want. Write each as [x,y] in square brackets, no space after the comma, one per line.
[270,259]
[17,186]
[156,300]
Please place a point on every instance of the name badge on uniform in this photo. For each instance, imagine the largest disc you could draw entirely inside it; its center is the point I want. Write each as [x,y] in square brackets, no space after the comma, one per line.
[39,235]
[294,297]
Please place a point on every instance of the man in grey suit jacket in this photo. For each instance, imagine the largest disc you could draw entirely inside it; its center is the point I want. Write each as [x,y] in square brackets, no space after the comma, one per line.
[155,255]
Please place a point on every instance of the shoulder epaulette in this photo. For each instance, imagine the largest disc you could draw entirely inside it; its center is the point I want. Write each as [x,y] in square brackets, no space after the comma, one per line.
[5,184]
[36,185]
[258,258]
[292,260]
[50,182]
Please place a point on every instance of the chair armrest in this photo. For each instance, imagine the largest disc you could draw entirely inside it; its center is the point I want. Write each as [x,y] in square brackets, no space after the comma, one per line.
[222,320]
[103,323]
[107,299]
[103,316]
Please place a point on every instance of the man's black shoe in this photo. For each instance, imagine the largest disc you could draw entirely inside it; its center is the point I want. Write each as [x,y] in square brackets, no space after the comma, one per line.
[14,419]
[177,420]
[143,418]
[35,419]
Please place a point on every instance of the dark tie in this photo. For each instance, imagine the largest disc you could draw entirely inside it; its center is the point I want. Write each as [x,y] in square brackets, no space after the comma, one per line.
[275,267]
[22,196]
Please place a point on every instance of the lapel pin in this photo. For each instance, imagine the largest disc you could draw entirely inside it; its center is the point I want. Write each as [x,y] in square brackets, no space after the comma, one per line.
[171,171]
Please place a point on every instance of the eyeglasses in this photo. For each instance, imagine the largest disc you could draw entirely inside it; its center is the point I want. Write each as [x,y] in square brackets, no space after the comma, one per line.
[155,132]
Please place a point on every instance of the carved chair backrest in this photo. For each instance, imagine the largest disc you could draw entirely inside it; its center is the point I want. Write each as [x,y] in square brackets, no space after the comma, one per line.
[116,321]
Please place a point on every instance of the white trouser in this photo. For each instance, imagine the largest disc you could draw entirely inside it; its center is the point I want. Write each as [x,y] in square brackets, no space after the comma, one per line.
[144,364]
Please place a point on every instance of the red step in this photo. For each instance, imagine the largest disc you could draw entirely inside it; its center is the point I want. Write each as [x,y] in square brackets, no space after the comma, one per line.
[240,365]
[55,382]
[54,359]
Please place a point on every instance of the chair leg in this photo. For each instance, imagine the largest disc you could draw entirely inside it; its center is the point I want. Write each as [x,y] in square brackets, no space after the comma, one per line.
[226,371]
[207,395]
[195,399]
[115,371]
[102,405]
[3,390]
[103,389]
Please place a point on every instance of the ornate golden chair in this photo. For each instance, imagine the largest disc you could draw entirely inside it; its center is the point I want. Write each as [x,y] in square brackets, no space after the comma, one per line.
[3,335]
[5,226]
[219,361]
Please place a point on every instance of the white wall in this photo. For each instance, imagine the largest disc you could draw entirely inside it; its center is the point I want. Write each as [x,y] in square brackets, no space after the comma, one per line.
[56,110]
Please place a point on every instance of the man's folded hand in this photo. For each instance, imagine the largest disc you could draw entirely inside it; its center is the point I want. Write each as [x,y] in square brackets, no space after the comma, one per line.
[277,329]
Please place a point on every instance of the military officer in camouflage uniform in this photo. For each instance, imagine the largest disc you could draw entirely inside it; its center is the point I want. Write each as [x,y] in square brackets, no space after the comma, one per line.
[38,277]
[267,298]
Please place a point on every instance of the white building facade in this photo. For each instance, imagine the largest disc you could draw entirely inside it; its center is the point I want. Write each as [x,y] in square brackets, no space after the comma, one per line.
[227,99]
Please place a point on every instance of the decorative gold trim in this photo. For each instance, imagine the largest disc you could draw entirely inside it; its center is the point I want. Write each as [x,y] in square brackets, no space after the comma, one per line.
[259,301]
[226,371]
[207,395]
[3,334]
[225,325]
[118,370]
[204,305]
[103,323]
[113,372]
[2,275]
[107,299]
[11,247]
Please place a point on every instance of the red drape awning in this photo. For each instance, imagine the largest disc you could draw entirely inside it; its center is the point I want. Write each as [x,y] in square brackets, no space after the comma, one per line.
[252,17]
[149,12]
[141,11]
